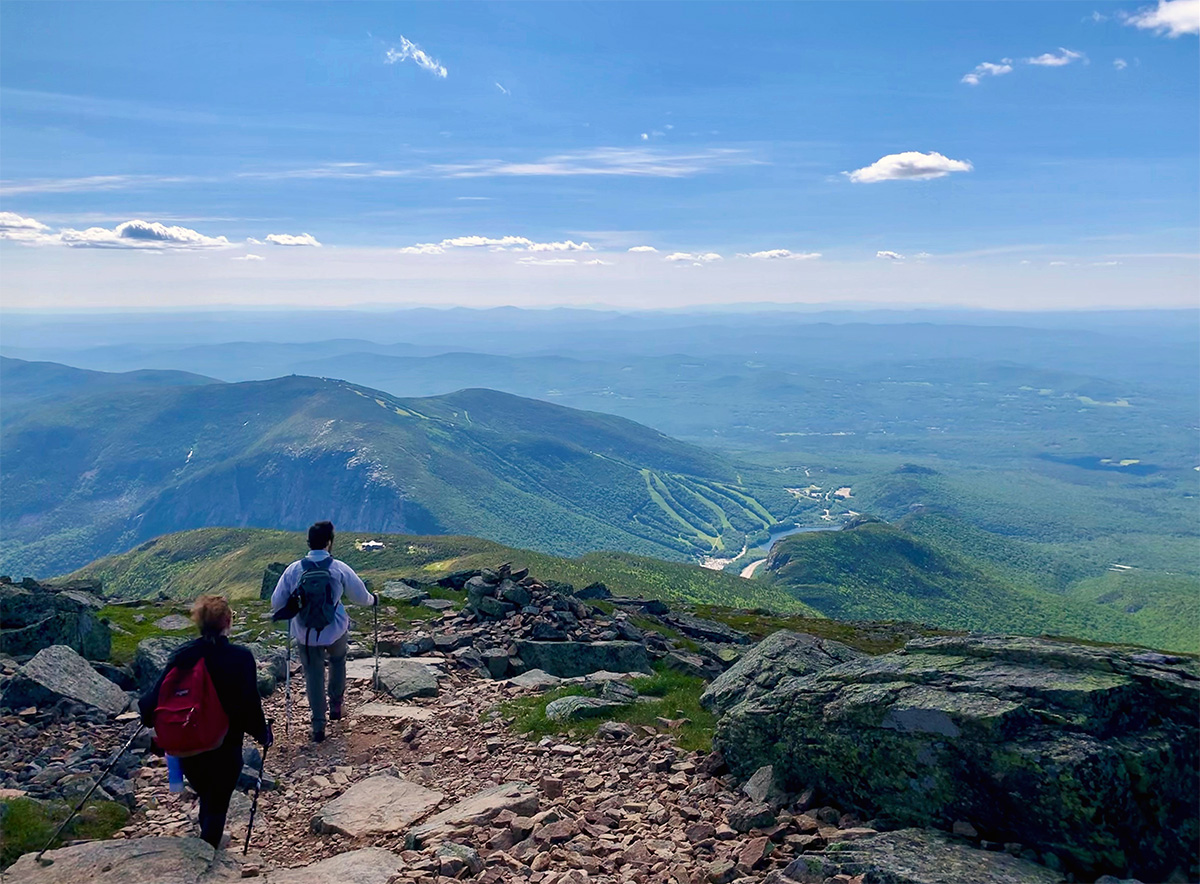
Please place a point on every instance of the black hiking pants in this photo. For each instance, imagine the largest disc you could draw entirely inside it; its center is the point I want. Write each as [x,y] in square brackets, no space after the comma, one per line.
[213,776]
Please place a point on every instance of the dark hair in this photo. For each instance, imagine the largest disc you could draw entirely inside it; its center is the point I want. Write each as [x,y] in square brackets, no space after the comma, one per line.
[212,615]
[320,535]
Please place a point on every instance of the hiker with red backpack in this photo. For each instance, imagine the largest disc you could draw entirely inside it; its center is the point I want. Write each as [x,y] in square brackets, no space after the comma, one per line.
[310,593]
[201,705]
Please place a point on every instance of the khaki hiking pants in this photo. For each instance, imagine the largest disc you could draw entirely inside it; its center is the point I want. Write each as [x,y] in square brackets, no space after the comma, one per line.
[313,658]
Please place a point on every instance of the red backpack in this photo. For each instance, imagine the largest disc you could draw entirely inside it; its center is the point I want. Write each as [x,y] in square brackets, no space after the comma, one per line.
[189,718]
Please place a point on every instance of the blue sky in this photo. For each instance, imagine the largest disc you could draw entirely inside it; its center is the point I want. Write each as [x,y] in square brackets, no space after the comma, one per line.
[991,154]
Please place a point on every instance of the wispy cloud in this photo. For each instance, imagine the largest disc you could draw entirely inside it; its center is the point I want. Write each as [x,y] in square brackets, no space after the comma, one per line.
[634,162]
[289,239]
[988,69]
[249,257]
[411,51]
[781,255]
[603,161]
[643,249]
[495,244]
[1120,64]
[910,165]
[1062,59]
[889,256]
[694,257]
[1171,18]
[502,89]
[545,262]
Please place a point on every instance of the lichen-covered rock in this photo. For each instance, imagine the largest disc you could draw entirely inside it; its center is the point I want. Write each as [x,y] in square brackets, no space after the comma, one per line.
[35,617]
[1089,754]
[778,656]
[57,672]
[916,856]
[572,659]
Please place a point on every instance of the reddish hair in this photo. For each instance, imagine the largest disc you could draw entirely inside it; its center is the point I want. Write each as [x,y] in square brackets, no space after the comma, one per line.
[212,614]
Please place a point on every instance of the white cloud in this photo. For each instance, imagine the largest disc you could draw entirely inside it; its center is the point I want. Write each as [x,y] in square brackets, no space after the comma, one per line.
[694,257]
[596,262]
[921,256]
[988,69]
[889,256]
[911,165]
[423,248]
[27,230]
[645,136]
[1105,263]
[1050,60]
[410,50]
[502,89]
[781,254]
[1097,17]
[138,234]
[643,249]
[1174,18]
[1058,263]
[288,239]
[249,257]
[1120,64]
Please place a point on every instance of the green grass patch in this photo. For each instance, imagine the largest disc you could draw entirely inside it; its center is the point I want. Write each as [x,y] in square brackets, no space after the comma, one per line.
[127,631]
[672,695]
[26,824]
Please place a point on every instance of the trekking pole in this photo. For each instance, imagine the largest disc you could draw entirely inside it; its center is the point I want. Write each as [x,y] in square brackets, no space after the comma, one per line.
[287,682]
[262,762]
[375,680]
[87,795]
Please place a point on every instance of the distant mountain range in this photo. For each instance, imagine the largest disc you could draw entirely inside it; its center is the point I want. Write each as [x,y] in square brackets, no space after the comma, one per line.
[95,463]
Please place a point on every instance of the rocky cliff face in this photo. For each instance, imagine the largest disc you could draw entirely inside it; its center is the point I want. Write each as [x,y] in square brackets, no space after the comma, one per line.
[1088,754]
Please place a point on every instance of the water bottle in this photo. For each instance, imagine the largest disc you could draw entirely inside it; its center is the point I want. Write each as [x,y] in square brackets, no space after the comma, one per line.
[174,773]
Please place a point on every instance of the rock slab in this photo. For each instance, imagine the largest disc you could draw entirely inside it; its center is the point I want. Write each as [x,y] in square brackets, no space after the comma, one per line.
[36,617]
[369,865]
[404,679]
[520,798]
[916,856]
[573,659]
[56,672]
[143,860]
[1087,754]
[379,805]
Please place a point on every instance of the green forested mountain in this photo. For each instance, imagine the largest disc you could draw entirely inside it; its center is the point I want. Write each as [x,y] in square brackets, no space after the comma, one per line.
[880,571]
[93,473]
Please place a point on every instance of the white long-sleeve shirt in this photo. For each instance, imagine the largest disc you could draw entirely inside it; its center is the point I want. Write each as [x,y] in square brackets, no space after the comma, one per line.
[345,583]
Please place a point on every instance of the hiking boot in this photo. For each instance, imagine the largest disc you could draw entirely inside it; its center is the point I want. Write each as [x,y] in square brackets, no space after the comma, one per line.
[335,711]
[318,736]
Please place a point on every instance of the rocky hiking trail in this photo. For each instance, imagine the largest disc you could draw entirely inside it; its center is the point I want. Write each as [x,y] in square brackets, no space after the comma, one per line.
[465,761]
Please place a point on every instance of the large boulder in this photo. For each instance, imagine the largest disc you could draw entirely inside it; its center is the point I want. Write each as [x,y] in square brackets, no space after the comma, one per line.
[916,856]
[778,656]
[57,672]
[404,679]
[573,659]
[34,617]
[151,656]
[379,805]
[270,579]
[575,708]
[159,860]
[1088,754]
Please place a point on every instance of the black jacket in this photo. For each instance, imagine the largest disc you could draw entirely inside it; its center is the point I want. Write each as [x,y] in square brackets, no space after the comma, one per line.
[231,668]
